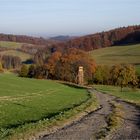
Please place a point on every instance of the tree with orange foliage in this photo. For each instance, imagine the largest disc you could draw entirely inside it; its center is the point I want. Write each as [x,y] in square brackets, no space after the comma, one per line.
[52,62]
[66,67]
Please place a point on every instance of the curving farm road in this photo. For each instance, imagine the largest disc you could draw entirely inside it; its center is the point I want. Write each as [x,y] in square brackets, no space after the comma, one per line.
[89,126]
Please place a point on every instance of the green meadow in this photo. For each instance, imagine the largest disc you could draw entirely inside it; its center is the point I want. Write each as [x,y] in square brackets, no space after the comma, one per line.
[28,101]
[117,55]
[12,45]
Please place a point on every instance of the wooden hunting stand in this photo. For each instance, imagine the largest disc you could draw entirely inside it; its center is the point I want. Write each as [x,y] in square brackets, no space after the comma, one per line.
[81,76]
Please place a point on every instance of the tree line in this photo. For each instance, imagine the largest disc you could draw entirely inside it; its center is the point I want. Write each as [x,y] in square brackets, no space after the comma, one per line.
[9,62]
[63,65]
[23,39]
[117,75]
[60,66]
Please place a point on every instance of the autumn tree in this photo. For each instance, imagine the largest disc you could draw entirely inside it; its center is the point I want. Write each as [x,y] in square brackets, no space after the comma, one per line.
[24,71]
[67,67]
[10,62]
[98,76]
[127,76]
[52,62]
[124,75]
[63,66]
[1,68]
[40,57]
[32,71]
[39,72]
[114,74]
[102,74]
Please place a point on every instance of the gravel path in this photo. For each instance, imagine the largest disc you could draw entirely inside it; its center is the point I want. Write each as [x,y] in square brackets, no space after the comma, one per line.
[88,127]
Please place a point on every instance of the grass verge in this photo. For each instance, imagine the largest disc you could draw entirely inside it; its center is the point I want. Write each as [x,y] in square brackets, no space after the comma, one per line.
[128,94]
[113,120]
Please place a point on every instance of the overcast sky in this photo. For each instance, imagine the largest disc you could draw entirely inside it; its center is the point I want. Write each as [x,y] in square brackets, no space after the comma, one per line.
[66,17]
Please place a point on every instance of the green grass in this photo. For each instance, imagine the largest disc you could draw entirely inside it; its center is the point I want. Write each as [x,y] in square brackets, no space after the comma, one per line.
[117,55]
[22,55]
[28,101]
[127,94]
[11,45]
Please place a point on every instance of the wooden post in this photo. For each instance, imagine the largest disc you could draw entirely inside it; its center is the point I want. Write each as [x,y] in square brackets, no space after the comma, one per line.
[81,76]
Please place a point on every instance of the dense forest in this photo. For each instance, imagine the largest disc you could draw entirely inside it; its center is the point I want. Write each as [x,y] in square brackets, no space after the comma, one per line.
[124,35]
[23,39]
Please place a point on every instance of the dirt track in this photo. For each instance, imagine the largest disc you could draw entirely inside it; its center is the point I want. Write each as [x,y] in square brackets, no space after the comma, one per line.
[88,127]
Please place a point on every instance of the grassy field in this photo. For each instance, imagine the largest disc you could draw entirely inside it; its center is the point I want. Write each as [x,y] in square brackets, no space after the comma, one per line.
[12,45]
[117,55]
[127,94]
[22,55]
[27,101]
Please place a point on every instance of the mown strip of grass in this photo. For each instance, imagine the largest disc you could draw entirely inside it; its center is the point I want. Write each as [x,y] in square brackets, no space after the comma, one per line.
[113,120]
[127,94]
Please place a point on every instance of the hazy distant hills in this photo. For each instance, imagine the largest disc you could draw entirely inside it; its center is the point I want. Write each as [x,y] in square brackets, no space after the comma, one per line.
[119,36]
[62,38]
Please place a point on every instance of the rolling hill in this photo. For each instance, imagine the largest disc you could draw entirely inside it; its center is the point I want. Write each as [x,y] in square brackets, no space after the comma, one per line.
[22,55]
[117,54]
[14,49]
[122,35]
[129,54]
[118,36]
[10,45]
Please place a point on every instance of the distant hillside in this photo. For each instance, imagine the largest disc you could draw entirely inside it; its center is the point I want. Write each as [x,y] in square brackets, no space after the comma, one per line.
[117,55]
[23,39]
[119,36]
[62,38]
[22,50]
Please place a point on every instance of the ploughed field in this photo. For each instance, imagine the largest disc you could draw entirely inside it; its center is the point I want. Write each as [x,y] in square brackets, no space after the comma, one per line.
[24,101]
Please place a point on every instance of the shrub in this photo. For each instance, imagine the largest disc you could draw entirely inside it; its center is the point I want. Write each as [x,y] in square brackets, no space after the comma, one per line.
[24,71]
